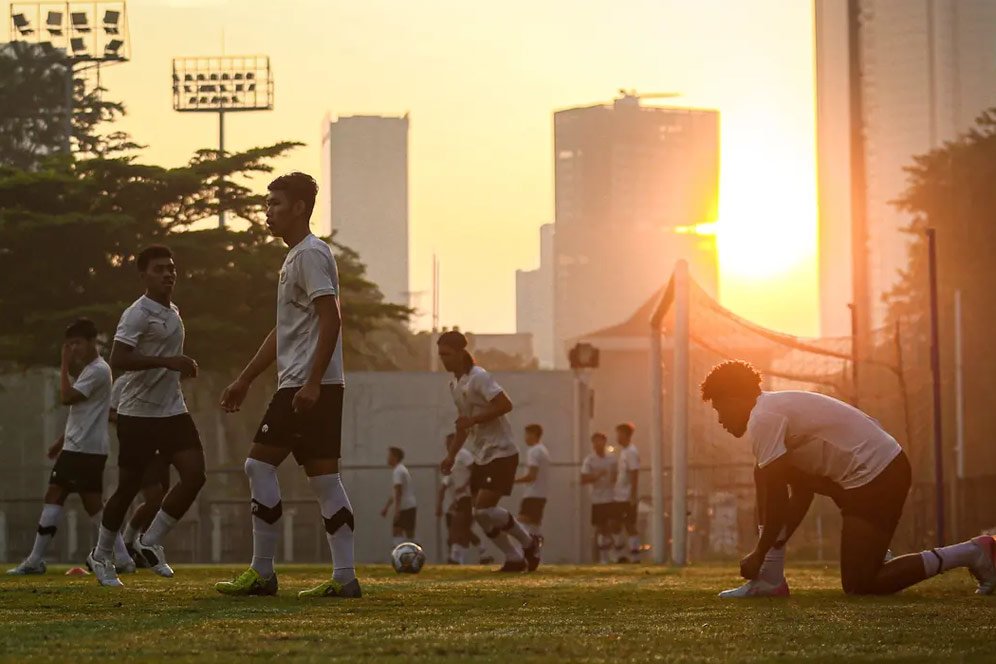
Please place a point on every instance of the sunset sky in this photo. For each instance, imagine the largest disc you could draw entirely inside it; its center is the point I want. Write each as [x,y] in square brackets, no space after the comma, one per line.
[481,81]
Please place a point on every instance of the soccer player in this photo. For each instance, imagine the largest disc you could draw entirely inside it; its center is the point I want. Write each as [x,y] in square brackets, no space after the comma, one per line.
[848,455]
[599,470]
[626,495]
[454,501]
[536,479]
[152,416]
[81,451]
[304,417]
[402,497]
[482,424]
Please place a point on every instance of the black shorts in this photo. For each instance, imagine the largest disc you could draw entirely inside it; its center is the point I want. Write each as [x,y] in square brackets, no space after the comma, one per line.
[498,475]
[625,512]
[140,438]
[157,473]
[532,509]
[78,472]
[602,514]
[406,521]
[313,434]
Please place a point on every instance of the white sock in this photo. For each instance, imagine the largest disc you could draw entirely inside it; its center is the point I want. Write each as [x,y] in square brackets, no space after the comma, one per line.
[619,541]
[604,543]
[158,529]
[458,553]
[503,519]
[498,534]
[931,563]
[47,525]
[338,516]
[120,552]
[264,489]
[634,544]
[944,558]
[130,533]
[105,543]
[773,567]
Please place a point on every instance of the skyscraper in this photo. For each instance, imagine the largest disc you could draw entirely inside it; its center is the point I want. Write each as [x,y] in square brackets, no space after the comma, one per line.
[629,180]
[922,71]
[363,195]
[534,301]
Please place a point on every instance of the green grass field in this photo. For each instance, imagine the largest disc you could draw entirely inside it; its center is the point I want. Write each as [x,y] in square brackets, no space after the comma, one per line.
[589,614]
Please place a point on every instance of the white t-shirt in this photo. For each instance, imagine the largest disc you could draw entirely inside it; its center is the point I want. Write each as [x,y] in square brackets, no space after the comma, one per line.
[308,273]
[472,394]
[154,331]
[822,436]
[401,477]
[457,483]
[605,466]
[538,457]
[629,460]
[86,426]
[116,394]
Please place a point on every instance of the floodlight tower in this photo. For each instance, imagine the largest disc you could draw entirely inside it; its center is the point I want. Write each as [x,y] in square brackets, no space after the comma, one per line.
[222,84]
[90,33]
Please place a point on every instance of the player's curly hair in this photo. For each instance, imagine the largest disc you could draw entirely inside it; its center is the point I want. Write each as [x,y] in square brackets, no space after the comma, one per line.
[298,187]
[731,378]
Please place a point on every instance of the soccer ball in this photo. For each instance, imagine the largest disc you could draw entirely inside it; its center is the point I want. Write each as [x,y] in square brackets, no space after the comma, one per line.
[408,558]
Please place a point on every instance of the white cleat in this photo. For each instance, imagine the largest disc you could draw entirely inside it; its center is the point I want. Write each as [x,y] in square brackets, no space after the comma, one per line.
[27,567]
[104,571]
[757,588]
[984,567]
[155,557]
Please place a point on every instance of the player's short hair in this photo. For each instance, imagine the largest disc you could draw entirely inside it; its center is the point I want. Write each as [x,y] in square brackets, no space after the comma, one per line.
[398,452]
[733,378]
[82,328]
[598,435]
[626,427]
[535,429]
[299,187]
[150,253]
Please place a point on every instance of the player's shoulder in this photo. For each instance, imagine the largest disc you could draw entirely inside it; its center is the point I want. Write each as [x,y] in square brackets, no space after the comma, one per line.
[101,368]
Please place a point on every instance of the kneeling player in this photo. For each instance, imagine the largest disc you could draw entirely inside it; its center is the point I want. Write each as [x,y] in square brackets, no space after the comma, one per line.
[862,466]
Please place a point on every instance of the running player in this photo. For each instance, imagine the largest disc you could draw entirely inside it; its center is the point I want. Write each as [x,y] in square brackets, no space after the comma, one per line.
[851,457]
[536,479]
[482,424]
[402,497]
[81,451]
[599,470]
[304,417]
[151,416]
[626,496]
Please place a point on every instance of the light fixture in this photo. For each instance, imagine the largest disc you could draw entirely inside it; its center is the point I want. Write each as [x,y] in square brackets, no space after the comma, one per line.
[22,25]
[112,19]
[252,87]
[206,88]
[188,77]
[188,89]
[239,76]
[54,24]
[193,100]
[214,77]
[80,22]
[78,44]
[204,100]
[235,100]
[112,48]
[240,88]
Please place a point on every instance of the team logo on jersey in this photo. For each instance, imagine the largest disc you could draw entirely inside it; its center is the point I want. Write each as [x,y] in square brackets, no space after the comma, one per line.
[265,429]
[283,276]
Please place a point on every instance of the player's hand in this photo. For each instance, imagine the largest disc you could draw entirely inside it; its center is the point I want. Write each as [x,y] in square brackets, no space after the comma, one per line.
[234,395]
[54,450]
[306,398]
[750,566]
[67,354]
[383,513]
[439,512]
[186,366]
[464,423]
[446,465]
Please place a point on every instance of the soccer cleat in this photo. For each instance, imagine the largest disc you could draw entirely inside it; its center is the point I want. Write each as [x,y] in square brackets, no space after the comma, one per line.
[137,559]
[250,582]
[154,557]
[513,566]
[103,570]
[126,566]
[333,588]
[532,553]
[984,567]
[757,588]
[486,559]
[27,567]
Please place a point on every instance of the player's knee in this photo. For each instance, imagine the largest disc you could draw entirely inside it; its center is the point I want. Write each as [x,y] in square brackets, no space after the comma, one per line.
[257,470]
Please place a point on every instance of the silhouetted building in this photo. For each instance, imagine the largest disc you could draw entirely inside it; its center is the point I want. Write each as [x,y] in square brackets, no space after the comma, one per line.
[534,300]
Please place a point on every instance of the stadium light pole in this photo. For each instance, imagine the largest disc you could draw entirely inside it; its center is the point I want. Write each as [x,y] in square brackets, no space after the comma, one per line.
[935,368]
[222,84]
[679,419]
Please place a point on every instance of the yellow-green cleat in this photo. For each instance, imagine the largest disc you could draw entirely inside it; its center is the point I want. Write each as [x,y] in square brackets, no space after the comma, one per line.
[250,582]
[332,588]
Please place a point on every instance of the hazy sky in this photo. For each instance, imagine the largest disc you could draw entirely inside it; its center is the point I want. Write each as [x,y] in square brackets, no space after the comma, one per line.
[481,81]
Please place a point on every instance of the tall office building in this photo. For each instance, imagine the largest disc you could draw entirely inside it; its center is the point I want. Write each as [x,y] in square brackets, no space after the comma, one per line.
[534,301]
[913,74]
[629,180]
[363,195]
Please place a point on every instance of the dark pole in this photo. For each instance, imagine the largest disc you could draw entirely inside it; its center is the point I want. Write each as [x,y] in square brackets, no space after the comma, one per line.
[221,183]
[68,146]
[861,311]
[935,368]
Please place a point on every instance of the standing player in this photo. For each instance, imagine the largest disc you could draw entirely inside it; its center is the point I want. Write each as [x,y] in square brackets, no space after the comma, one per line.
[599,470]
[454,501]
[304,417]
[151,415]
[81,451]
[851,457]
[402,497]
[626,495]
[536,479]
[482,424]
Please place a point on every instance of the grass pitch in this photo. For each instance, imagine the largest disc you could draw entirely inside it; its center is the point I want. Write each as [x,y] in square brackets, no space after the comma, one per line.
[586,614]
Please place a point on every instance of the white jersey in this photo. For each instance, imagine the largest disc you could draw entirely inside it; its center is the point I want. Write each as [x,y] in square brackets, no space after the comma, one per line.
[822,436]
[605,468]
[538,457]
[629,460]
[308,273]
[116,394]
[457,483]
[152,330]
[401,477]
[472,394]
[86,426]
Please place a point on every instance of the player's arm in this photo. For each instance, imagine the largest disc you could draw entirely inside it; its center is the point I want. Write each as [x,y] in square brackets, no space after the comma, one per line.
[440,495]
[387,505]
[498,406]
[532,472]
[125,358]
[329,325]
[397,500]
[56,447]
[773,491]
[454,446]
[588,478]
[266,355]
[67,395]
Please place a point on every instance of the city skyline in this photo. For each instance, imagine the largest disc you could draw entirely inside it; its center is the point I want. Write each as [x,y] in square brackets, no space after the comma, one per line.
[481,173]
